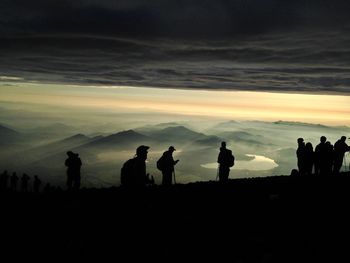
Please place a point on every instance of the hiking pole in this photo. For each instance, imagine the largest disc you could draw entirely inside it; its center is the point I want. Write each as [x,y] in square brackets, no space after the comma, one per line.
[174,177]
[217,173]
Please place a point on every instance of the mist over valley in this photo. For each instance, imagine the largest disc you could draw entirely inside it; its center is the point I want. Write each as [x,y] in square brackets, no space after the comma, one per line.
[261,149]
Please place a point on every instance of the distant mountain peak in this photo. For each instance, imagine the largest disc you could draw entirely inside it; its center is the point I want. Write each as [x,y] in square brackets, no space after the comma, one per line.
[78,136]
[5,128]
[167,124]
[296,123]
[126,133]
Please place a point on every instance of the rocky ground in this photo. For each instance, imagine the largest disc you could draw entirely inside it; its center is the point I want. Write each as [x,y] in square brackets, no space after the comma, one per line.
[274,219]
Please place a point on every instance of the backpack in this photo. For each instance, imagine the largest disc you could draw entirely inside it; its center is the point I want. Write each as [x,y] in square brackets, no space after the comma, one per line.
[126,172]
[230,159]
[160,163]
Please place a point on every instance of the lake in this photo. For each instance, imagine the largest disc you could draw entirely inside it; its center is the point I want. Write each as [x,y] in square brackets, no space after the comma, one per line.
[259,163]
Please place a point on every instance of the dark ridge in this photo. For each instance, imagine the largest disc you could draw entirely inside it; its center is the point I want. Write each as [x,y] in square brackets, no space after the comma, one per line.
[117,139]
[273,219]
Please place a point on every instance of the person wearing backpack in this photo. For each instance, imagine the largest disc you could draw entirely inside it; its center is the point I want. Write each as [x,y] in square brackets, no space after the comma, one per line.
[133,172]
[166,164]
[225,160]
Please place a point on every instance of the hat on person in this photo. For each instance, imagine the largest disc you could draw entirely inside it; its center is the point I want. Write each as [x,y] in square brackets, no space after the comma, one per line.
[142,149]
[171,148]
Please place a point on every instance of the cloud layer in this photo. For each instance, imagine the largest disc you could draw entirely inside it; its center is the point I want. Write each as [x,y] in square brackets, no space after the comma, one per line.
[270,45]
[294,62]
[181,18]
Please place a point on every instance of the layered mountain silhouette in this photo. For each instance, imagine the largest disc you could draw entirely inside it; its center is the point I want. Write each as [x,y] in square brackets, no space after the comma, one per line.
[8,135]
[176,134]
[104,154]
[123,139]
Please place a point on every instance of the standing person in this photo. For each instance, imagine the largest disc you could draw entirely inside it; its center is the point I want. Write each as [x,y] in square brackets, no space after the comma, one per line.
[320,156]
[24,182]
[301,155]
[3,180]
[133,173]
[73,163]
[309,158]
[329,159]
[226,160]
[340,148]
[13,182]
[166,164]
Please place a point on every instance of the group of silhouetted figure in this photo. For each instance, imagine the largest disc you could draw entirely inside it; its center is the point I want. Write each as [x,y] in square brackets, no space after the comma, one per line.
[11,183]
[133,171]
[325,160]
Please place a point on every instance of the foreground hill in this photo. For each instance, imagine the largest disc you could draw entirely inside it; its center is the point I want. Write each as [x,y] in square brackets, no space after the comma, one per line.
[275,219]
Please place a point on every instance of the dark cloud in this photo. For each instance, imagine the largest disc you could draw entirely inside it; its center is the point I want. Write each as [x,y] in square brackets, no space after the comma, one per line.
[298,62]
[300,45]
[196,18]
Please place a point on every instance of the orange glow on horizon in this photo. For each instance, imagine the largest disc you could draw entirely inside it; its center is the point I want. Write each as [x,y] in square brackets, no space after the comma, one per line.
[222,104]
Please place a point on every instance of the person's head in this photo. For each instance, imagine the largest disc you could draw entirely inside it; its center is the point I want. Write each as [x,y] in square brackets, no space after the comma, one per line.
[70,154]
[343,138]
[323,139]
[172,149]
[309,145]
[142,151]
[300,140]
[223,144]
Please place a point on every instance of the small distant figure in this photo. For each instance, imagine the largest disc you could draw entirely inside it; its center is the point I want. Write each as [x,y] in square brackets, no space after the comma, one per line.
[24,183]
[309,158]
[321,156]
[13,182]
[166,164]
[301,156]
[73,163]
[329,159]
[226,160]
[4,180]
[133,173]
[36,184]
[340,148]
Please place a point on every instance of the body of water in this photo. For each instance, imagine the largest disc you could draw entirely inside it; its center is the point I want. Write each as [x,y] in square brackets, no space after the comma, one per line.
[259,163]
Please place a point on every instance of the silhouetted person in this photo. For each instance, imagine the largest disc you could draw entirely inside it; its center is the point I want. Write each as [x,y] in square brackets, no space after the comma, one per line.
[329,158]
[24,182]
[309,158]
[13,182]
[320,156]
[225,160]
[73,163]
[301,155]
[4,180]
[133,172]
[36,184]
[168,164]
[340,148]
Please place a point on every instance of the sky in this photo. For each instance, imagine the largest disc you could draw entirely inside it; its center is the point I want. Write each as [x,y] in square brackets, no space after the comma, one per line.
[262,59]
[209,104]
